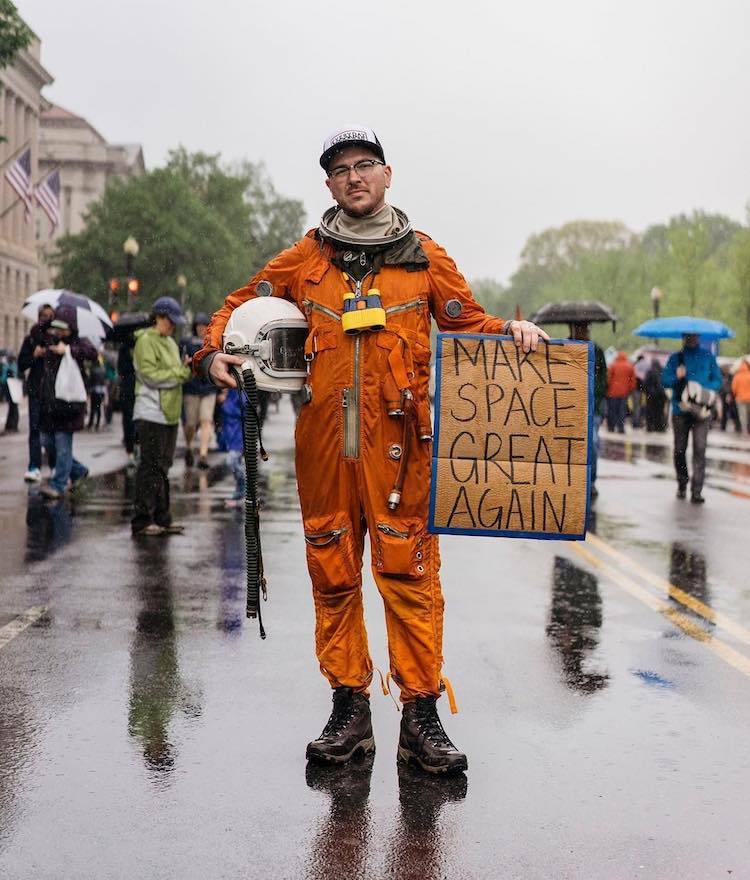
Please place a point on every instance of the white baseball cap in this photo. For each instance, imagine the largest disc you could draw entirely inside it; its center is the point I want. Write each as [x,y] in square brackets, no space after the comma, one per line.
[349,136]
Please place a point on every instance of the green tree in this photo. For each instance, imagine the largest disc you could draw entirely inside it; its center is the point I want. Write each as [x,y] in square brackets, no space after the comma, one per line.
[740,267]
[15,34]
[214,225]
[561,248]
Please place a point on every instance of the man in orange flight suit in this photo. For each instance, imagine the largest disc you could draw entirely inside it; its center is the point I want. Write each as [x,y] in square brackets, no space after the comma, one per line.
[350,438]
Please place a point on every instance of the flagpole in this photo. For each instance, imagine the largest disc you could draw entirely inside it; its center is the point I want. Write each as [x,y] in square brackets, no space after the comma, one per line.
[14,155]
[33,197]
[11,206]
[47,174]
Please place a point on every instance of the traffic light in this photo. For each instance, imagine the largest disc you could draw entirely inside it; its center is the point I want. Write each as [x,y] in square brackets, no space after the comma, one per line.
[113,286]
[133,286]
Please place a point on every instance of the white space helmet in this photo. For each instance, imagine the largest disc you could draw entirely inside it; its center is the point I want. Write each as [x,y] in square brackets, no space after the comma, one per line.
[271,331]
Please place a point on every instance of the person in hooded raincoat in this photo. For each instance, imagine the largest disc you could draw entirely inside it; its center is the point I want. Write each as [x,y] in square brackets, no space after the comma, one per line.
[59,419]
[347,444]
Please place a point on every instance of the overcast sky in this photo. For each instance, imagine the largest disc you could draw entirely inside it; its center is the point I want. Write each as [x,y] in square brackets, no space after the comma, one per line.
[500,119]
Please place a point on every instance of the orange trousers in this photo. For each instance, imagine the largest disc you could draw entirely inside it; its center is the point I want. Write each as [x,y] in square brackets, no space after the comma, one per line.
[345,498]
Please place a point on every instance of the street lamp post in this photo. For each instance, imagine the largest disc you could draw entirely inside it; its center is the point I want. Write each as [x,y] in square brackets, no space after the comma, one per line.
[182,285]
[656,295]
[130,247]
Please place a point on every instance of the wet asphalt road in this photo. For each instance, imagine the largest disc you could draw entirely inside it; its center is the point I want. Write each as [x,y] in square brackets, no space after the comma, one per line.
[146,730]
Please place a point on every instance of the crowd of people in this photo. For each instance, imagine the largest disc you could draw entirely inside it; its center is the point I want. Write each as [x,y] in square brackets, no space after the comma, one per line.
[148,379]
[636,391]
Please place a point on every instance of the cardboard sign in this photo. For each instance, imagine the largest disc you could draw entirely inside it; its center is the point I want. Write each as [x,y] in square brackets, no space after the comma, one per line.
[511,453]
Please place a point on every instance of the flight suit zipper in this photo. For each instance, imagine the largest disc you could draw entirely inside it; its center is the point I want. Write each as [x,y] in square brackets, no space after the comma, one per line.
[350,401]
[322,539]
[317,307]
[389,530]
[412,304]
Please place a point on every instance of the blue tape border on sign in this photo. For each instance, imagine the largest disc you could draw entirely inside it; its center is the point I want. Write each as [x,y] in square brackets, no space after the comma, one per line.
[489,533]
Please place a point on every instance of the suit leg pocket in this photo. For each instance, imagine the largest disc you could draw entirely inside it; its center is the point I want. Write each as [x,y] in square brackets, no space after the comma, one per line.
[399,548]
[329,543]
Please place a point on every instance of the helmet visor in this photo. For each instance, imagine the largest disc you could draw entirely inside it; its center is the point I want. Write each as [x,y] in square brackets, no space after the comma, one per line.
[286,350]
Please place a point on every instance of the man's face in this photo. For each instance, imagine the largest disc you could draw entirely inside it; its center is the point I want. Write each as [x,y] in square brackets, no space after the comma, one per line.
[691,340]
[46,313]
[358,194]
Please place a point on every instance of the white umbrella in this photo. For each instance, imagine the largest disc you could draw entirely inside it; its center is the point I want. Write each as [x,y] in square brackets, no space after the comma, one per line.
[93,321]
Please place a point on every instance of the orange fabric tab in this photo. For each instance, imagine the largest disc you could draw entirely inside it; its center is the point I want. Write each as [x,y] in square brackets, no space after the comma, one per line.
[397,365]
[382,682]
[451,696]
[390,692]
[310,343]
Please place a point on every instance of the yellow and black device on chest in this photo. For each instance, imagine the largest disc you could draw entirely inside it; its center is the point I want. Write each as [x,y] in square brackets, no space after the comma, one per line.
[362,310]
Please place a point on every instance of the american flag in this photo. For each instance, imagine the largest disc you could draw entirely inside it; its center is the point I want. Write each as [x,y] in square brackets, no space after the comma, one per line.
[48,196]
[19,177]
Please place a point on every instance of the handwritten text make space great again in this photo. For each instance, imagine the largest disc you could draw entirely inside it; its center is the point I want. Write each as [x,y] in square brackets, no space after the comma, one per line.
[513,439]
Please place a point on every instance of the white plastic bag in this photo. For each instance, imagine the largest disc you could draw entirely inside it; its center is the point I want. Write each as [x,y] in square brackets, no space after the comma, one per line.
[69,381]
[15,389]
[696,400]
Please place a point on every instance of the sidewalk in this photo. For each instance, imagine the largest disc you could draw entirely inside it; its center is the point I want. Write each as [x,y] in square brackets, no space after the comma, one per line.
[723,444]
[101,451]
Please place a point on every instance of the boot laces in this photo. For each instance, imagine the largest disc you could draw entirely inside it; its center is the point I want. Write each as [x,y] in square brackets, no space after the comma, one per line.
[430,725]
[342,713]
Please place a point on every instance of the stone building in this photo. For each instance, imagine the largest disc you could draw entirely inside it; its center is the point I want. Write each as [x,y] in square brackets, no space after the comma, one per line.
[21,103]
[86,162]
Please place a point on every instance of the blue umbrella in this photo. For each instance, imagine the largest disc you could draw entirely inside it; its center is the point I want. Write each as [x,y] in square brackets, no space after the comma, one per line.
[676,328]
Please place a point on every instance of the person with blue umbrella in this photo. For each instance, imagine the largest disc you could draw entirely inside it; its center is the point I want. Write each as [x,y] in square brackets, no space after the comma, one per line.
[694,377]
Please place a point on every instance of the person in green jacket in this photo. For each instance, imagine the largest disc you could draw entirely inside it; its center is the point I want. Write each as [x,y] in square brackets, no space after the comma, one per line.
[160,374]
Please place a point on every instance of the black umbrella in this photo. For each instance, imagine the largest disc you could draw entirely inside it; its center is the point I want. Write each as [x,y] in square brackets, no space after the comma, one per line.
[589,311]
[127,324]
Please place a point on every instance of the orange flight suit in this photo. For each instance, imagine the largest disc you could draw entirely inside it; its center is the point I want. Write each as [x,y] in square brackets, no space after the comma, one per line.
[345,471]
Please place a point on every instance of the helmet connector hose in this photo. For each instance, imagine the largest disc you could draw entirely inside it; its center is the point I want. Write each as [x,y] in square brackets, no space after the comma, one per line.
[251,442]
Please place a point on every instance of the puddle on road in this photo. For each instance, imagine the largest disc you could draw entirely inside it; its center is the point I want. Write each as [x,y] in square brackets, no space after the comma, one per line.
[106,501]
[631,451]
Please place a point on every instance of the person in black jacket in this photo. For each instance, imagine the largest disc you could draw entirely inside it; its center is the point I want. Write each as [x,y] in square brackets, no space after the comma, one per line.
[58,417]
[31,358]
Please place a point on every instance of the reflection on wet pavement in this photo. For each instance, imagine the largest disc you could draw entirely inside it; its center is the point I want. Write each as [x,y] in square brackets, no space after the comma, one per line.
[230,543]
[49,526]
[575,619]
[632,451]
[419,847]
[687,570]
[339,847]
[156,688]
[342,843]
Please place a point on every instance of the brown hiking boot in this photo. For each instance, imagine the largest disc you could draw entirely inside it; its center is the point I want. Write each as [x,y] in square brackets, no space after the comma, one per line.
[348,731]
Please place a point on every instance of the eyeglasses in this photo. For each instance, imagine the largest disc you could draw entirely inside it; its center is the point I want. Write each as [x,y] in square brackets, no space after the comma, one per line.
[364,168]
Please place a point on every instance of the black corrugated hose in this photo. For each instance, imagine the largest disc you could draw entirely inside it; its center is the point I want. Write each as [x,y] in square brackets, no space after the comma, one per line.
[251,440]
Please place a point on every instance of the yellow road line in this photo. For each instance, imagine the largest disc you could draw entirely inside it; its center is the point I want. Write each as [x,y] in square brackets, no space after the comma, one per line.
[20,623]
[728,654]
[673,591]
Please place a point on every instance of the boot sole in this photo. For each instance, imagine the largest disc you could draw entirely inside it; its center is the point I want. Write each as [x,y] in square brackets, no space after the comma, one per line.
[365,746]
[407,757]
